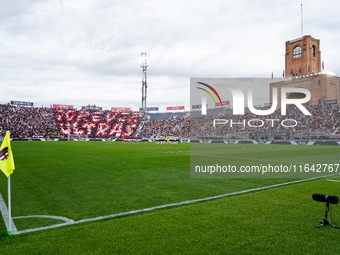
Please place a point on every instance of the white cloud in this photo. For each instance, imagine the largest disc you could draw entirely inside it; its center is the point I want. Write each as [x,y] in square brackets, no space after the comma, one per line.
[81,52]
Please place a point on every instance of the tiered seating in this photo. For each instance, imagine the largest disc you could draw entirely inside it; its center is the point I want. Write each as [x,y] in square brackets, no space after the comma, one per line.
[24,122]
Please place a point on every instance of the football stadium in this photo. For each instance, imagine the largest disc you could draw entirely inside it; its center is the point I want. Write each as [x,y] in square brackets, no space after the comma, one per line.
[89,181]
[225,176]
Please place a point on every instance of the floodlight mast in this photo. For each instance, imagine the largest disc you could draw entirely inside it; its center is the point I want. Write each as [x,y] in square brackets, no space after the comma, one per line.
[144,66]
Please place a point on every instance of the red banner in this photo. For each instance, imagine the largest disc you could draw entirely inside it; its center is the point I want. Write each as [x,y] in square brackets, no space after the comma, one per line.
[223,103]
[175,108]
[121,109]
[97,124]
[62,106]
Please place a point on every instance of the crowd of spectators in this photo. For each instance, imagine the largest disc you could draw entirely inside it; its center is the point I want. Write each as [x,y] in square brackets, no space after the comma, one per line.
[178,127]
[25,122]
[323,120]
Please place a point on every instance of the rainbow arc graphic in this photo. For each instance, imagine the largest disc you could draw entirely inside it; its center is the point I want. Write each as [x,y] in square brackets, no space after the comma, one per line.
[209,93]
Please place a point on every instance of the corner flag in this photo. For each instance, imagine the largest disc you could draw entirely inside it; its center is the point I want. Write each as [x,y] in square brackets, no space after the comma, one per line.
[6,156]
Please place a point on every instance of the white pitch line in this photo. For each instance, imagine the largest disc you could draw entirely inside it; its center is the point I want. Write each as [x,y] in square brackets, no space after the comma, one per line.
[5,216]
[332,180]
[67,220]
[167,205]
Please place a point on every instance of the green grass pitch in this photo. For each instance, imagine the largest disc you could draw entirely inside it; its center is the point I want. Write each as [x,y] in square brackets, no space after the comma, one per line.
[82,180]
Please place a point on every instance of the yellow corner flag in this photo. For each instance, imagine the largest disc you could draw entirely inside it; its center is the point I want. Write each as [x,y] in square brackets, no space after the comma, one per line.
[6,156]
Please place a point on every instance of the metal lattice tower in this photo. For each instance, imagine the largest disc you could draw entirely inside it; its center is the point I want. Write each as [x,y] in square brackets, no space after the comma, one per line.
[144,66]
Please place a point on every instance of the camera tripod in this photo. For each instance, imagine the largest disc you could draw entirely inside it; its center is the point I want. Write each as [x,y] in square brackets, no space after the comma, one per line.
[325,221]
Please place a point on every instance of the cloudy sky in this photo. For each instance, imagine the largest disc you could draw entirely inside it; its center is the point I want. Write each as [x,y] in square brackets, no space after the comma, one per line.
[87,52]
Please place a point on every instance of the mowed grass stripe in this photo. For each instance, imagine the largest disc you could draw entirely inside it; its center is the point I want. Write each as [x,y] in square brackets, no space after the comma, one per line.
[287,153]
[276,221]
[81,180]
[71,222]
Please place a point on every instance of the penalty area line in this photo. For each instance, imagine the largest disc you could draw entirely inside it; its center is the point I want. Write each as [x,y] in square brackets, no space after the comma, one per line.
[169,205]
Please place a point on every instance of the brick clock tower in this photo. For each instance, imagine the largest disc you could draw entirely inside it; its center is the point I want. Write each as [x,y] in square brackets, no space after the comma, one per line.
[303,57]
[303,70]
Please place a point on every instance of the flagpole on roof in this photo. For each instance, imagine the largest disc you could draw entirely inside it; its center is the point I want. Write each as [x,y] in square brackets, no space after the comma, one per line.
[301,20]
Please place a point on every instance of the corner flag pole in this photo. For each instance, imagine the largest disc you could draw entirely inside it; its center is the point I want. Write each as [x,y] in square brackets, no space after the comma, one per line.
[9,207]
[7,167]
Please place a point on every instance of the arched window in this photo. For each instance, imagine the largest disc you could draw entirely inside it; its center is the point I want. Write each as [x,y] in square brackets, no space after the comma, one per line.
[297,52]
[313,51]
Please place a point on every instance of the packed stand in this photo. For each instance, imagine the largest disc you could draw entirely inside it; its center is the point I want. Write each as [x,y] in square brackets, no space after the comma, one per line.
[323,120]
[27,122]
[30,122]
[175,127]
